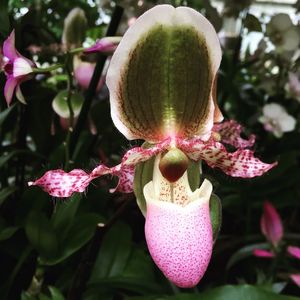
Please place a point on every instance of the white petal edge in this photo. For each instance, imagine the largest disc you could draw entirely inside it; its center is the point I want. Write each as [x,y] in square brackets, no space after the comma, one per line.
[21,67]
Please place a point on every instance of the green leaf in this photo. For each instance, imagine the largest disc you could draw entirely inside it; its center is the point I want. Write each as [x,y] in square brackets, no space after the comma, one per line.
[114,253]
[77,236]
[215,206]
[4,114]
[55,293]
[245,252]
[245,292]
[8,156]
[7,233]
[41,234]
[227,292]
[6,192]
[61,107]
[64,214]
[4,24]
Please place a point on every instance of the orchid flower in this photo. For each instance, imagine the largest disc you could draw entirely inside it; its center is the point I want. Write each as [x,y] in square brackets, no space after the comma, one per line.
[17,69]
[162,89]
[272,229]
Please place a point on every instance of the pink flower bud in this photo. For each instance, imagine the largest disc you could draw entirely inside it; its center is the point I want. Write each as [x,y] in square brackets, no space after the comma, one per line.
[271,225]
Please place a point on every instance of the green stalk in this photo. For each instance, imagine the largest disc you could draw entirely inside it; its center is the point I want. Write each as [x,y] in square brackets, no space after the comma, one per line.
[101,59]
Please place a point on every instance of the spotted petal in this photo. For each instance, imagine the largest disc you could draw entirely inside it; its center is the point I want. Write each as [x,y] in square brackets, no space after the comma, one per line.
[240,163]
[161,75]
[230,132]
[59,183]
[178,228]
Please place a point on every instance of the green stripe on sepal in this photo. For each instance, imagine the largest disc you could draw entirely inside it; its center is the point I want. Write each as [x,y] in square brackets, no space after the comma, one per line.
[215,206]
[167,83]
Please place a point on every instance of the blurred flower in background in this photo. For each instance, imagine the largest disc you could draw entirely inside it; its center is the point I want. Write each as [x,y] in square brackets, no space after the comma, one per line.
[276,119]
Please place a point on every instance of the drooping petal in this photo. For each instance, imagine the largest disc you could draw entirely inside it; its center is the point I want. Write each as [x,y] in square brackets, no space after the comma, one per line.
[9,88]
[240,163]
[294,251]
[296,278]
[263,253]
[162,73]
[230,132]
[271,224]
[179,233]
[19,94]
[59,183]
[9,49]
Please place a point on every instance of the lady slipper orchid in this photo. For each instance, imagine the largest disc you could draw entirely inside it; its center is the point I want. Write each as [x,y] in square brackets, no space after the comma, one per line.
[17,69]
[162,89]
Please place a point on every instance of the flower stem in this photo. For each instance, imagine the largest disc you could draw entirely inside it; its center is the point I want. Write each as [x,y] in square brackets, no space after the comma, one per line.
[76,50]
[47,70]
[82,118]
[68,66]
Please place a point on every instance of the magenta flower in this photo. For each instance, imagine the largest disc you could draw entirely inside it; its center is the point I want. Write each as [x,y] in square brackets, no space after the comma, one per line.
[162,82]
[17,69]
[104,45]
[272,229]
[271,225]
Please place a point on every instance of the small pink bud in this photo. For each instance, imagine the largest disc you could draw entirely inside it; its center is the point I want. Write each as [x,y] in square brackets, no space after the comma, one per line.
[271,225]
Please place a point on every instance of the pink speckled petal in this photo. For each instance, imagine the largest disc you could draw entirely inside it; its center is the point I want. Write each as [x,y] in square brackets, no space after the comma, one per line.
[58,183]
[9,49]
[9,88]
[180,238]
[271,224]
[126,177]
[240,163]
[294,251]
[296,279]
[263,253]
[230,132]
